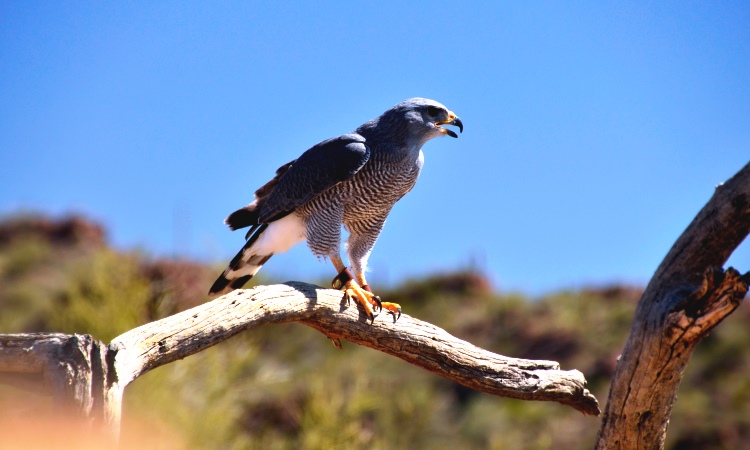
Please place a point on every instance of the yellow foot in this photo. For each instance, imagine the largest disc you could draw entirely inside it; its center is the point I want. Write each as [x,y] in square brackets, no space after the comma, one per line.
[392,308]
[369,301]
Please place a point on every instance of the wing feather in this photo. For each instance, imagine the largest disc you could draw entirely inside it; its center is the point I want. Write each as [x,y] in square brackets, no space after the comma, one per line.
[318,169]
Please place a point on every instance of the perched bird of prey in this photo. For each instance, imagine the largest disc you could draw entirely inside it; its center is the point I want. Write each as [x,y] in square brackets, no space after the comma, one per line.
[351,180]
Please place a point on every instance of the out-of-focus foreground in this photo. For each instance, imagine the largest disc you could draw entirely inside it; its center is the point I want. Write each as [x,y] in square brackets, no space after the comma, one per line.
[286,386]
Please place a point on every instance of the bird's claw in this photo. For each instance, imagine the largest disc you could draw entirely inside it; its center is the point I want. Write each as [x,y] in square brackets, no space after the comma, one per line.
[372,304]
[393,309]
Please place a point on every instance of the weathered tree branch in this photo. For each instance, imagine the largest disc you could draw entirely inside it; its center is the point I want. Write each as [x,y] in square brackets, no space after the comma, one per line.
[152,345]
[412,340]
[686,298]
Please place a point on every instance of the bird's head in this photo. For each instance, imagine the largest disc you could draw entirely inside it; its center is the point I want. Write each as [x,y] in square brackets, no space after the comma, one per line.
[417,120]
[426,117]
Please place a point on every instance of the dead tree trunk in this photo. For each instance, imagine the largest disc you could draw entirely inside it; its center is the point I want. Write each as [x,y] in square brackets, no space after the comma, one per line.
[92,376]
[687,297]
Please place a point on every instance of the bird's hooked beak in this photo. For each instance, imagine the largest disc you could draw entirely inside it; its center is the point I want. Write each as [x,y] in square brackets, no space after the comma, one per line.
[452,120]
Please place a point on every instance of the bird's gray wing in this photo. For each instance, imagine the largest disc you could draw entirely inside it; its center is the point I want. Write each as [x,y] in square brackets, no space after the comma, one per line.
[319,168]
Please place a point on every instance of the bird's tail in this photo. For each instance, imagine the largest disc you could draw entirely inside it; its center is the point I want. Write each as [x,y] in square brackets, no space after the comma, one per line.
[243,266]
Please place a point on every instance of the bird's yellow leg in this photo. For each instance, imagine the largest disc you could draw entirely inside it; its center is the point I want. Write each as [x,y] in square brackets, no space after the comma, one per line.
[392,308]
[338,263]
[345,281]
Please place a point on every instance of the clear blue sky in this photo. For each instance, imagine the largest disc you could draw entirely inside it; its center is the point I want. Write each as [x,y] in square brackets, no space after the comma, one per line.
[594,131]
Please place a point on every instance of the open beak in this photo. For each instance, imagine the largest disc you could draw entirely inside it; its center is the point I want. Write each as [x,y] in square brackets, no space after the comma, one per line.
[452,120]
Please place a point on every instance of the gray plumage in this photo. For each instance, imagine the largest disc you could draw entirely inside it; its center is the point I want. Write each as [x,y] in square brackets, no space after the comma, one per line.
[354,180]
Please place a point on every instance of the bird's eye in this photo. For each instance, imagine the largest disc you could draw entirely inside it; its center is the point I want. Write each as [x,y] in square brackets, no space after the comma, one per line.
[433,111]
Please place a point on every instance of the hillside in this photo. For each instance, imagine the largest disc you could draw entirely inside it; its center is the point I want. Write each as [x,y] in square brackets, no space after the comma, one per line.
[286,386]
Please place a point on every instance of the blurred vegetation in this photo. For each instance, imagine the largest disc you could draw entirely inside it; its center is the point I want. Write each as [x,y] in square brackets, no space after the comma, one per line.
[287,387]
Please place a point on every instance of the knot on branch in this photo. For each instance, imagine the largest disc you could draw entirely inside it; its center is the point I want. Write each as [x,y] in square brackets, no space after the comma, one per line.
[718,295]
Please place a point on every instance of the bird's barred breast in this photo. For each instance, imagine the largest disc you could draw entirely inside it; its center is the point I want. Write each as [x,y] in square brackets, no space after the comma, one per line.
[375,189]
[366,198]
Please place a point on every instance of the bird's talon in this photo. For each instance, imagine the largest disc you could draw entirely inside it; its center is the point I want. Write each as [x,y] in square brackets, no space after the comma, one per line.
[393,313]
[378,302]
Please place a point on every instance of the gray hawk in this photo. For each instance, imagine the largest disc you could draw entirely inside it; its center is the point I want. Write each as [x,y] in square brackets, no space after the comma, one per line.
[351,180]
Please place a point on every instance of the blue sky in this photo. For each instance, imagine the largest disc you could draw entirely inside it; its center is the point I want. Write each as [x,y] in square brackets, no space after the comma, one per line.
[594,132]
